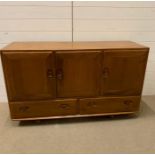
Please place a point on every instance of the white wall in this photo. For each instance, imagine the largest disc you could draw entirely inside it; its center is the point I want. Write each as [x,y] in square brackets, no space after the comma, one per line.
[28,21]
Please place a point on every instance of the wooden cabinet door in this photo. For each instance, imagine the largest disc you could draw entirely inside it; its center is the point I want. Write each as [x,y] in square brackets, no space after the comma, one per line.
[29,75]
[123,72]
[78,73]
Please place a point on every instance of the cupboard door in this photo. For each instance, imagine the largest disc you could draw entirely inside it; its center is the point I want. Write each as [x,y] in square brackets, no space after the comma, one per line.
[29,75]
[123,72]
[78,73]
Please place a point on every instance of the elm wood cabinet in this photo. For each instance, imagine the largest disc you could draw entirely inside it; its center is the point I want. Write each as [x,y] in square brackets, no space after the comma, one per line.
[64,79]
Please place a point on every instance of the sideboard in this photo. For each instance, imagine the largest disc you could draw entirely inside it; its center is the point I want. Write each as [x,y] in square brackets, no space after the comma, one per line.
[47,80]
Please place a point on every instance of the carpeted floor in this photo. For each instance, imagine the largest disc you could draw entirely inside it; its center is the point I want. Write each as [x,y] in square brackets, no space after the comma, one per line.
[83,135]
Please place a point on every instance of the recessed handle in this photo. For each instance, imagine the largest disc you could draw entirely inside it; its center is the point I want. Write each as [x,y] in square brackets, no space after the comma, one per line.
[50,73]
[64,106]
[59,74]
[92,104]
[23,108]
[128,102]
[106,72]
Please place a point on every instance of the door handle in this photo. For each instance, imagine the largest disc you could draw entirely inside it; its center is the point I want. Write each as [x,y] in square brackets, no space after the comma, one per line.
[50,74]
[59,74]
[106,72]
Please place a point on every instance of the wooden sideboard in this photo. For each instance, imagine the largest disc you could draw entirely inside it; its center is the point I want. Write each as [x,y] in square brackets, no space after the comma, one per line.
[65,79]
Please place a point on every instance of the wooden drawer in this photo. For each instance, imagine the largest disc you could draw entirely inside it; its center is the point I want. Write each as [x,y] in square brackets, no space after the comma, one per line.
[43,108]
[109,105]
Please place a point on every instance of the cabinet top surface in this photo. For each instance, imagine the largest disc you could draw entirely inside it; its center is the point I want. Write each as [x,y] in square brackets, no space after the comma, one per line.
[20,46]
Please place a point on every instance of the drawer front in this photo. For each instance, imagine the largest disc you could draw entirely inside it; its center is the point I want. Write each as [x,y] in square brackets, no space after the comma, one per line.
[43,108]
[109,105]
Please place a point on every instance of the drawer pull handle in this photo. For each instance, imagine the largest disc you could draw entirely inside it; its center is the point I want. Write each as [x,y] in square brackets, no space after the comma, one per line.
[128,102]
[64,106]
[23,109]
[92,104]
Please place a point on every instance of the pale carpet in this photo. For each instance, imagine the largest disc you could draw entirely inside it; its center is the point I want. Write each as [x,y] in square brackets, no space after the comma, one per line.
[84,135]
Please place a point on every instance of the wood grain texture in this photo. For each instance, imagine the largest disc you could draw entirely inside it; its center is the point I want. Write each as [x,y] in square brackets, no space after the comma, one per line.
[43,109]
[69,108]
[82,79]
[124,72]
[19,46]
[80,73]
[27,75]
[109,105]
